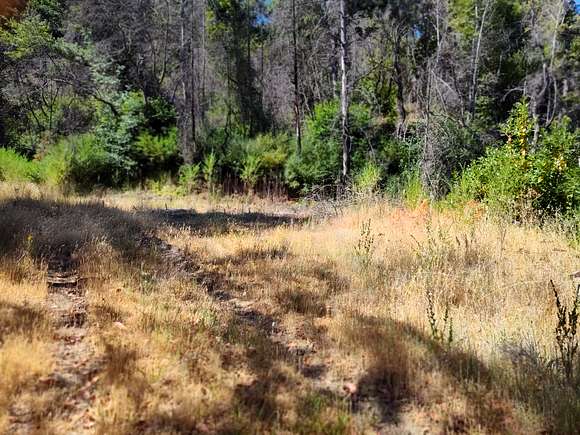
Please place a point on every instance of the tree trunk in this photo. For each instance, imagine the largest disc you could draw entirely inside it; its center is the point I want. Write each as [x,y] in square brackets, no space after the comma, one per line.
[203,100]
[398,77]
[476,54]
[186,62]
[296,91]
[344,93]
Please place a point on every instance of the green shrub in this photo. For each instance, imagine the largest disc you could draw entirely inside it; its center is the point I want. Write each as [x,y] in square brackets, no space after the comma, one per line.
[114,135]
[412,190]
[319,162]
[55,166]
[259,158]
[14,167]
[155,153]
[397,156]
[124,145]
[272,150]
[554,172]
[209,170]
[545,175]
[160,117]
[189,177]
[368,179]
[90,162]
[498,179]
[251,170]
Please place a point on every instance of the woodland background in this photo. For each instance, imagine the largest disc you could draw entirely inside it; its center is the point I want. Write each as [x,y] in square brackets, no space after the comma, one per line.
[456,99]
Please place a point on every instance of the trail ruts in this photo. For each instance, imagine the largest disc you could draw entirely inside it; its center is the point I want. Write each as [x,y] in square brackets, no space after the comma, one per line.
[75,371]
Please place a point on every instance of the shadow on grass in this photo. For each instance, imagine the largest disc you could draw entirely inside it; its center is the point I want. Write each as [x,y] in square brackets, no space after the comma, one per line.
[267,352]
[216,223]
[398,351]
[20,319]
[49,229]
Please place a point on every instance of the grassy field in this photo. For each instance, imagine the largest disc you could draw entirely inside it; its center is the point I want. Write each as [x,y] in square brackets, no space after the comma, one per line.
[136,313]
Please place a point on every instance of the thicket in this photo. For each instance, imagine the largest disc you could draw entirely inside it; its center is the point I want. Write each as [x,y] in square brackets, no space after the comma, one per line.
[538,170]
[524,170]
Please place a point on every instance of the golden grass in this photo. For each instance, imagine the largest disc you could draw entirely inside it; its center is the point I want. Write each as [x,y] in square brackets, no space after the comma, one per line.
[225,343]
[25,354]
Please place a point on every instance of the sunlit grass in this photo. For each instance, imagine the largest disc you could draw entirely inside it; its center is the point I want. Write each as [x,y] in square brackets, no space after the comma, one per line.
[212,345]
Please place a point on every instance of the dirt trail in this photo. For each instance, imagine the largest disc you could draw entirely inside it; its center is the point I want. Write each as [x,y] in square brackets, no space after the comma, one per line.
[75,372]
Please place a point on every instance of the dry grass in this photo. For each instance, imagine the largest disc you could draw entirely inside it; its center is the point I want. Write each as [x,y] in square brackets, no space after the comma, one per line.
[25,355]
[274,323]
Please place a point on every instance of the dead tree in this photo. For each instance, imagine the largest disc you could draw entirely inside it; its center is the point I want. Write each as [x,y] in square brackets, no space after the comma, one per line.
[344,97]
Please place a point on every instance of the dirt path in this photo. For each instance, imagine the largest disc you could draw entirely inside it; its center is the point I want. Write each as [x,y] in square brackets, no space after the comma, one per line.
[75,372]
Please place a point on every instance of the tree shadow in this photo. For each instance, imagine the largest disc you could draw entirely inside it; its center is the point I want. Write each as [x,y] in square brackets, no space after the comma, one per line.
[20,319]
[49,229]
[397,350]
[266,350]
[217,223]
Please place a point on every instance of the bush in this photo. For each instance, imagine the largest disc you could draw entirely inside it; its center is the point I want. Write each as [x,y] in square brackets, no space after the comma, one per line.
[368,179]
[122,147]
[155,153]
[554,170]
[14,167]
[114,134]
[319,162]
[411,189]
[209,170]
[126,144]
[545,176]
[90,162]
[160,117]
[258,159]
[55,166]
[251,170]
[189,178]
[397,156]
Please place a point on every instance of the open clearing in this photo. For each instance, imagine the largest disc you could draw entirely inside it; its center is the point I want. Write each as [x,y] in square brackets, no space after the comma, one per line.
[136,313]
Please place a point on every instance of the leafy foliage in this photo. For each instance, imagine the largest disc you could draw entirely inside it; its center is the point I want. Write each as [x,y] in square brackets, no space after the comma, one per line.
[14,167]
[189,178]
[368,179]
[209,171]
[251,170]
[153,153]
[26,37]
[545,175]
[320,159]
